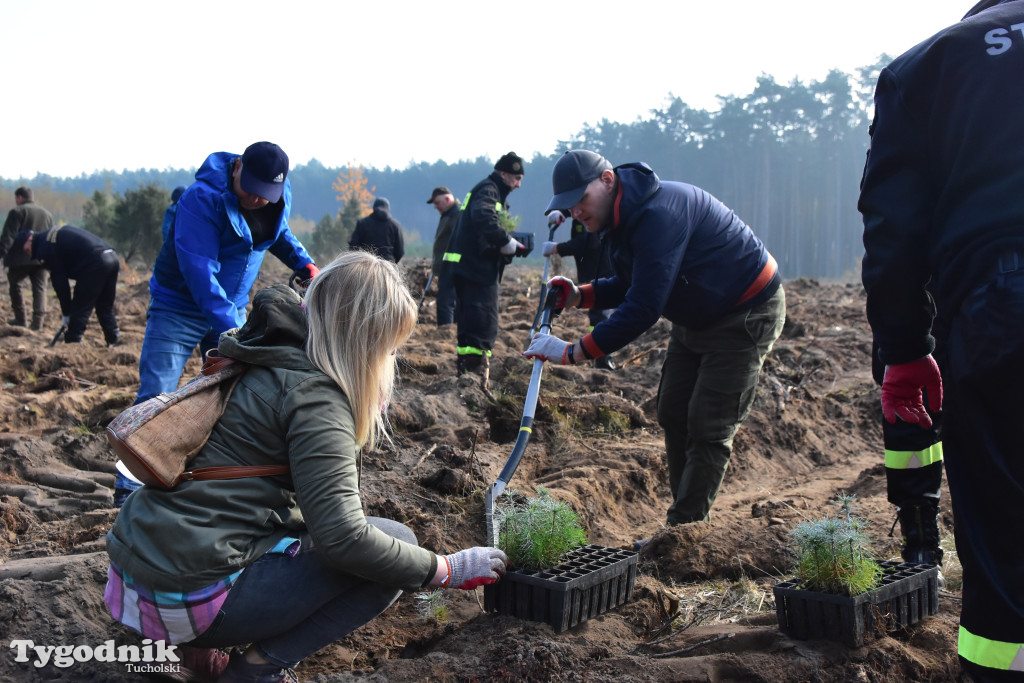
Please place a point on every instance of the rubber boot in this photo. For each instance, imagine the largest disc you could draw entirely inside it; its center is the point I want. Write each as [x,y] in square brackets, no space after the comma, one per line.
[18,320]
[919,524]
[37,322]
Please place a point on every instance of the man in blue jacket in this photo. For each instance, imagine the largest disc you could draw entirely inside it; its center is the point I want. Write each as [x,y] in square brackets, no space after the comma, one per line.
[676,252]
[944,240]
[235,211]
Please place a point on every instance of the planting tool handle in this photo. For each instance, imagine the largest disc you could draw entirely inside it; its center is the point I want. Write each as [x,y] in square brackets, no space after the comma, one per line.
[525,429]
[429,280]
[543,284]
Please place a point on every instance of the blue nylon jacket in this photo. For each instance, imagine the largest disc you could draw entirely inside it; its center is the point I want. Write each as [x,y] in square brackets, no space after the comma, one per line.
[676,252]
[210,263]
[943,187]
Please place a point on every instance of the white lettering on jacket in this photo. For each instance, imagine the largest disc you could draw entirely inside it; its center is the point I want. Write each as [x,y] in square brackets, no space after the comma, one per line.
[999,39]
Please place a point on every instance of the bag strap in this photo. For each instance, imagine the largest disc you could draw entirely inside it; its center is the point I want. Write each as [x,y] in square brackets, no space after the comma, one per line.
[215,362]
[233,472]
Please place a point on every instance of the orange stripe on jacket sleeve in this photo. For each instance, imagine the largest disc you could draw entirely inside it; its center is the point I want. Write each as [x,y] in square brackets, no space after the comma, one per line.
[763,278]
[590,347]
[586,296]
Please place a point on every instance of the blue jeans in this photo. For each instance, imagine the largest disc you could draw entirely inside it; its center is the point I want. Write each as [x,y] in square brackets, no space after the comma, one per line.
[290,607]
[171,337]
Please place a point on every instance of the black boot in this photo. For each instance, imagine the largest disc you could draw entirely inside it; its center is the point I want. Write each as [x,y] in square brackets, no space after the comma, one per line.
[920,526]
[604,362]
[17,321]
[112,337]
[470,362]
[37,322]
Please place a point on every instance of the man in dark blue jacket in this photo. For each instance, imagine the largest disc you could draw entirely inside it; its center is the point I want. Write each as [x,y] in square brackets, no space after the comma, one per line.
[70,253]
[676,252]
[379,233]
[943,211]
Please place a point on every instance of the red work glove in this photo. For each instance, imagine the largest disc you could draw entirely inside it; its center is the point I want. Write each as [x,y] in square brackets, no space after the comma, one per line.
[550,348]
[901,391]
[304,275]
[568,294]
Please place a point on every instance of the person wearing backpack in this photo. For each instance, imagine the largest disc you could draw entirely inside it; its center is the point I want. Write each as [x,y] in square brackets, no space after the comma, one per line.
[288,563]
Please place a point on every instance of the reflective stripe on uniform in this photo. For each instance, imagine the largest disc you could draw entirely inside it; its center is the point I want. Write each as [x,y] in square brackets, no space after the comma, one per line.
[471,351]
[993,654]
[451,257]
[908,460]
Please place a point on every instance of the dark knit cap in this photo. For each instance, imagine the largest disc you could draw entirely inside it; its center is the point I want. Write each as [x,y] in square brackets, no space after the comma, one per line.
[510,163]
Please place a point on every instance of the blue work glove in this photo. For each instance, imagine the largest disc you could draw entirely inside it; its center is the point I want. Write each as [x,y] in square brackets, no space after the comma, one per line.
[550,348]
[568,294]
[901,391]
[474,567]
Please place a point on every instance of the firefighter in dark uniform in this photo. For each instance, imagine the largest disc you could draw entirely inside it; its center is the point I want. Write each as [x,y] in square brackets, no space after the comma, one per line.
[478,250]
[588,251]
[943,211]
[71,253]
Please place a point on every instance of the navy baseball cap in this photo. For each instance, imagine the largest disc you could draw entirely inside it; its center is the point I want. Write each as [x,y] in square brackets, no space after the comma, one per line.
[264,168]
[573,172]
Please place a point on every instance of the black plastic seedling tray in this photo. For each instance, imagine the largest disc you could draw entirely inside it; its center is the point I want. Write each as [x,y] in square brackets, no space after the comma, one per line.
[907,593]
[591,581]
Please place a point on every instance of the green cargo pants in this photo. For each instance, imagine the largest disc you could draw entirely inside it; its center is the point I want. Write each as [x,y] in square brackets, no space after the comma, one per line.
[708,384]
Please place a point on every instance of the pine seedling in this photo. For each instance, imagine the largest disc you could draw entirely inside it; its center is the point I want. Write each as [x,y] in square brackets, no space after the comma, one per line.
[433,607]
[833,553]
[536,533]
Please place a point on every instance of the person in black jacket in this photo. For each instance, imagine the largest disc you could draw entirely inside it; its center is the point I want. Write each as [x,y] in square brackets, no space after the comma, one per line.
[379,233]
[944,240]
[479,250]
[71,253]
[588,251]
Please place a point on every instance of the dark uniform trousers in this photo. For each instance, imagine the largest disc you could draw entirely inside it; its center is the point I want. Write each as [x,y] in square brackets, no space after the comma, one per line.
[476,311]
[95,289]
[983,436]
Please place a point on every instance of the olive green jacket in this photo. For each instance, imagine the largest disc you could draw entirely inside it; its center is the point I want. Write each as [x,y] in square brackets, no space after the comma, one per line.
[282,411]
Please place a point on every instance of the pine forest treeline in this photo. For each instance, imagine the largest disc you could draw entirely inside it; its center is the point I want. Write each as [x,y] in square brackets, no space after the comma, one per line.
[787,158]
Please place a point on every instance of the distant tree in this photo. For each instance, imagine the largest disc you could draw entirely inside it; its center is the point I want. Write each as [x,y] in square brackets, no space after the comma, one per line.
[350,215]
[135,231]
[352,184]
[328,240]
[98,214]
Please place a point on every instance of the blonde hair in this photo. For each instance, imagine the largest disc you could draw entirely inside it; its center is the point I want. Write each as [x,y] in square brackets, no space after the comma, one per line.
[359,312]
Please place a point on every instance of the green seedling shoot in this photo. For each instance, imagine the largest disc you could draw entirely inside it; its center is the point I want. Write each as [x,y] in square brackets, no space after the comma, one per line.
[536,533]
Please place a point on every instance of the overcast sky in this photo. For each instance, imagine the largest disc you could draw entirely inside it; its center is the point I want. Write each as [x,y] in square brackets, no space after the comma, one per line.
[111,84]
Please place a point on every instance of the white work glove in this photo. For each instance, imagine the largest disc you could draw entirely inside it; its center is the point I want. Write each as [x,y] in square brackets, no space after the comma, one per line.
[555,218]
[473,567]
[550,348]
[550,248]
[510,248]
[64,320]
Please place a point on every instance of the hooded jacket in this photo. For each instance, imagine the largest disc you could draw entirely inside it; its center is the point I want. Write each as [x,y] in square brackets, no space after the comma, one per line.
[283,411]
[676,252]
[476,242]
[209,263]
[379,233]
[942,192]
